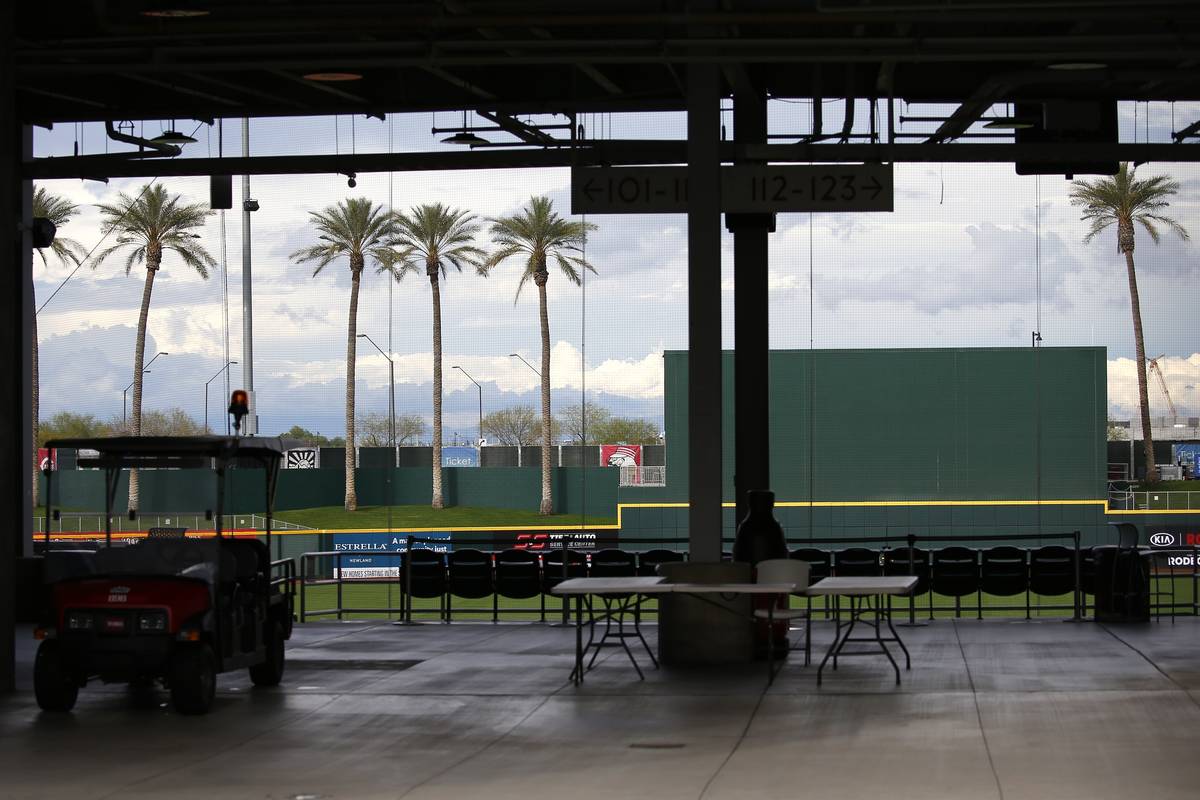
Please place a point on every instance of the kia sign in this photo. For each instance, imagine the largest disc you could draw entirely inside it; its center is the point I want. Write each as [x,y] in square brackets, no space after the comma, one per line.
[1177,543]
[1173,536]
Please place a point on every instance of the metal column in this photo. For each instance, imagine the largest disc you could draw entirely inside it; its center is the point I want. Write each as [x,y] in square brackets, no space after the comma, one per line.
[752,455]
[251,424]
[704,312]
[16,202]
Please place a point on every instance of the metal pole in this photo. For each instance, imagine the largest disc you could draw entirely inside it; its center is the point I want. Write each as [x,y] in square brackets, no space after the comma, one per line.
[251,423]
[408,600]
[480,388]
[1078,583]
[392,403]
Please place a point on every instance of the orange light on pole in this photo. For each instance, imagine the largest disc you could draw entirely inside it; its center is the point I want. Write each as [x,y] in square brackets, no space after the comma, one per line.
[239,407]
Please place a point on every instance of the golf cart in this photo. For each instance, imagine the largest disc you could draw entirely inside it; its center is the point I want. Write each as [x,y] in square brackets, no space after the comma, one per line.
[175,609]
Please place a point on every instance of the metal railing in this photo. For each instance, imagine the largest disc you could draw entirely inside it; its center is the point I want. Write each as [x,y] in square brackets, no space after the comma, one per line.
[1154,501]
[326,568]
[643,476]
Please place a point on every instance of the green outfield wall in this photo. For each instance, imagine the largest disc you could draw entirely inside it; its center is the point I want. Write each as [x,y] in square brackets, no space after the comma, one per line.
[916,424]
[577,490]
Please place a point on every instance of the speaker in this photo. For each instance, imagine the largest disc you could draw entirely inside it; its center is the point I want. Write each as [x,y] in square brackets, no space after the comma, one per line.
[220,191]
[42,232]
[1068,122]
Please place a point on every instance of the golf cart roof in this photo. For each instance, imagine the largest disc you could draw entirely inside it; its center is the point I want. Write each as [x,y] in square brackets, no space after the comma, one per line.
[174,451]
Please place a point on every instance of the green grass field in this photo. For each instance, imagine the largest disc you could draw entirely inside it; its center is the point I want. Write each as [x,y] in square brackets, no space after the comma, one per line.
[422,516]
[365,595]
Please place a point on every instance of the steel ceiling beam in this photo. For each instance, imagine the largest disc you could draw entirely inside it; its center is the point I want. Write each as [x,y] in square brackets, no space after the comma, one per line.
[609,153]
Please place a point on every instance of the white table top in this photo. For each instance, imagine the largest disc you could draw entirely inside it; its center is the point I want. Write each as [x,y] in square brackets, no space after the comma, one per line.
[900,584]
[642,585]
[657,585]
[732,588]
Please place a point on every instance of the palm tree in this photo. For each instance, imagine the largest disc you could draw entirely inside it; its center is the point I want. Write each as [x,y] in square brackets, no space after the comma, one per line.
[59,211]
[428,238]
[1123,200]
[355,228]
[150,224]
[539,234]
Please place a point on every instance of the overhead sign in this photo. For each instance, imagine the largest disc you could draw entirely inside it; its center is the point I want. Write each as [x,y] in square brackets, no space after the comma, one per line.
[745,189]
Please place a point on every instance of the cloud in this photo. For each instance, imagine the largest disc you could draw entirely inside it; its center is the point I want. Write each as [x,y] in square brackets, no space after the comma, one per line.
[1181,375]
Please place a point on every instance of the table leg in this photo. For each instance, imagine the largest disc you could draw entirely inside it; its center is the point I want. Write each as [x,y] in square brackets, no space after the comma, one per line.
[577,673]
[837,633]
[879,617]
[771,642]
[637,626]
[907,659]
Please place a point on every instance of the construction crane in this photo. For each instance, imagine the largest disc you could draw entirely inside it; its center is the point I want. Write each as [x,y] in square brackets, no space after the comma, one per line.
[1162,384]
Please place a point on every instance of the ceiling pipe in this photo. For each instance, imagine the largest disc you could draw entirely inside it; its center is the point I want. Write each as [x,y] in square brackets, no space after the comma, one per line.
[158,148]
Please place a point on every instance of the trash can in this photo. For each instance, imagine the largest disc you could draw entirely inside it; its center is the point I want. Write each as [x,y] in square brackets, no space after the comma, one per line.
[1122,585]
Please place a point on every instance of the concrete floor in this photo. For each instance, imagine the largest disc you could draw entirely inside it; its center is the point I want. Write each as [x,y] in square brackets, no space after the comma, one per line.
[991,709]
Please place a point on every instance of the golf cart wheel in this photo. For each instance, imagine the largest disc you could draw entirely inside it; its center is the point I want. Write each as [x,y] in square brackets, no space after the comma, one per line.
[193,679]
[270,671]
[53,684]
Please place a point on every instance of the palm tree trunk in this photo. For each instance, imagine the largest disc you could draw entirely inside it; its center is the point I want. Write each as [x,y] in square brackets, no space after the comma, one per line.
[351,350]
[547,506]
[153,261]
[1139,348]
[438,502]
[35,401]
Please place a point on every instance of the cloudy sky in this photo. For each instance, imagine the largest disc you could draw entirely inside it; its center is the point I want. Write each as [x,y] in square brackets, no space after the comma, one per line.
[955,265]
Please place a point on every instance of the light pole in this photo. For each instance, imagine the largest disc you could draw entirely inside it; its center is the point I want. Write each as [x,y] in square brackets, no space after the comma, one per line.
[206,383]
[391,388]
[125,391]
[526,363]
[480,388]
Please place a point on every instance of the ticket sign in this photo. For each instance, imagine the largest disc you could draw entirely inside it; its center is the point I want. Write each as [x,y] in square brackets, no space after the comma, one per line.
[745,188]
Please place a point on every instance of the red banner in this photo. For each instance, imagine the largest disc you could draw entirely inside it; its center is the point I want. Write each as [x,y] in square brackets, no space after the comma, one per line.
[47,459]
[621,455]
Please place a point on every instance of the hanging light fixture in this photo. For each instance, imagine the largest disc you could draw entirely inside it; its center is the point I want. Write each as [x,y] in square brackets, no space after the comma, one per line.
[465,136]
[172,136]
[1009,123]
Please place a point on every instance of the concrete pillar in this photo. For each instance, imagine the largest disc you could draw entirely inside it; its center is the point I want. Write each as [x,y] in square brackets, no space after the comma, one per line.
[704,311]
[15,343]
[752,454]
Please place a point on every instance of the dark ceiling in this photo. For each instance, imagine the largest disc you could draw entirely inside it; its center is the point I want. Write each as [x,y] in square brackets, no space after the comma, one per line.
[110,61]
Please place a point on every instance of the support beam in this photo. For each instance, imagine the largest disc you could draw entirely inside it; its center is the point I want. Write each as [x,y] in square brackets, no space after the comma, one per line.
[596,153]
[16,146]
[752,454]
[704,312]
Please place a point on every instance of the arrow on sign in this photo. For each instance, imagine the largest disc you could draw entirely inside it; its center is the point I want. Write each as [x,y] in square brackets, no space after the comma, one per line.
[875,186]
[591,189]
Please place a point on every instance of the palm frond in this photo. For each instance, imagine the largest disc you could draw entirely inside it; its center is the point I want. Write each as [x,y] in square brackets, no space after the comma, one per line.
[155,218]
[1125,199]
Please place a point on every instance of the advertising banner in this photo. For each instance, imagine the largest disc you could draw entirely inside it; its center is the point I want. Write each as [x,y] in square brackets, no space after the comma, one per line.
[302,458]
[362,549]
[621,455]
[460,457]
[1187,456]
[1178,541]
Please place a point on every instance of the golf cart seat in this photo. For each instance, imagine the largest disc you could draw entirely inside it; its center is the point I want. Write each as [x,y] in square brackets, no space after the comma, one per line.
[188,557]
[250,557]
[62,565]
